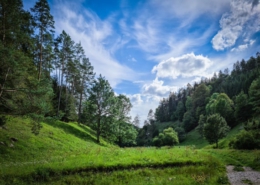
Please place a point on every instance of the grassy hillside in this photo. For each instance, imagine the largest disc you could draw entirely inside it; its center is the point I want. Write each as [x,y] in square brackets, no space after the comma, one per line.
[66,153]
[62,151]
[55,139]
[193,138]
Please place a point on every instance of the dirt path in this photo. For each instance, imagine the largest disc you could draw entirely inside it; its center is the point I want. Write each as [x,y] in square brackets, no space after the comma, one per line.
[248,176]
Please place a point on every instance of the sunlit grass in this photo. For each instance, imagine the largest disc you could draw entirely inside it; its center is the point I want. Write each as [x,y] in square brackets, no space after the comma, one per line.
[66,153]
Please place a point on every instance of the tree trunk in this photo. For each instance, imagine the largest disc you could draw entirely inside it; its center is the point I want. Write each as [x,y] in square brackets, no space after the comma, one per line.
[80,101]
[98,130]
[40,64]
[3,24]
[60,90]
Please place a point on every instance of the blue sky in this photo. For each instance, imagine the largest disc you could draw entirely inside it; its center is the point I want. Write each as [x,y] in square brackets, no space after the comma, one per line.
[149,48]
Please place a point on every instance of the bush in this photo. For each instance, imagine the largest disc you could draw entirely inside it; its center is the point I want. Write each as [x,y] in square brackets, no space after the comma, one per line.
[168,138]
[249,138]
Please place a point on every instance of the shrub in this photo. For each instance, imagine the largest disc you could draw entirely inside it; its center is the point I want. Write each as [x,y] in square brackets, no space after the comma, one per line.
[249,138]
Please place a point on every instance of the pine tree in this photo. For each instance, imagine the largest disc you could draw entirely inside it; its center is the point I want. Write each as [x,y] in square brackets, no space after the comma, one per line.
[44,24]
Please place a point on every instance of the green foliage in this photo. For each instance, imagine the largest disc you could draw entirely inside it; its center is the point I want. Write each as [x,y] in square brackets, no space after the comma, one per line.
[188,103]
[189,121]
[180,111]
[3,120]
[254,96]
[167,138]
[43,23]
[248,138]
[200,128]
[223,105]
[200,95]
[100,107]
[242,108]
[215,128]
[181,133]
[125,134]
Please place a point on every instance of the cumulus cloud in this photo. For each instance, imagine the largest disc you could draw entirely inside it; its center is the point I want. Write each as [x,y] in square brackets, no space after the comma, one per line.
[157,88]
[186,66]
[242,20]
[142,103]
[136,99]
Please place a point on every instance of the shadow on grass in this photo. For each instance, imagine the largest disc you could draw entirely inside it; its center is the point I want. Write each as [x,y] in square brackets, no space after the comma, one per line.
[71,130]
[87,129]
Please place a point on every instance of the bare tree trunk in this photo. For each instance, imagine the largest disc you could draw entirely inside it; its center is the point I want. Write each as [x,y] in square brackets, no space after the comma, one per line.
[40,64]
[98,130]
[80,100]
[61,81]
[3,85]
[3,25]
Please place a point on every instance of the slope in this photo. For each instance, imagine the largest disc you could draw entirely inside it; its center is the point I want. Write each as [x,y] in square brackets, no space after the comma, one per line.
[193,138]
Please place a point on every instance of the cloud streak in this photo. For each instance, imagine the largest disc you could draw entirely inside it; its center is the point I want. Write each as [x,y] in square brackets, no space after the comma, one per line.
[94,34]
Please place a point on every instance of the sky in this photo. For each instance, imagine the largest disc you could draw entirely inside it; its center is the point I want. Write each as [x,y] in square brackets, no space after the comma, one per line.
[149,48]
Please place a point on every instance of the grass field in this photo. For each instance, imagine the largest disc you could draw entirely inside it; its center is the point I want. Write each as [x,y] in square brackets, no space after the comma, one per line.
[66,153]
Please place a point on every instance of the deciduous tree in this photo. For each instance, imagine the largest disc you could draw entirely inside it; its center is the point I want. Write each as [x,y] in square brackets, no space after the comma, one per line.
[215,128]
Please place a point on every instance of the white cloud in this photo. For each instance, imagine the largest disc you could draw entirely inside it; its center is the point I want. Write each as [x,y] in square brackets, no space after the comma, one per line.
[142,103]
[243,47]
[136,99]
[189,10]
[242,20]
[157,88]
[186,66]
[94,34]
[240,47]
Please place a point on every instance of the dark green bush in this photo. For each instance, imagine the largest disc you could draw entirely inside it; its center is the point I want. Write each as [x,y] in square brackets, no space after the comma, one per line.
[249,138]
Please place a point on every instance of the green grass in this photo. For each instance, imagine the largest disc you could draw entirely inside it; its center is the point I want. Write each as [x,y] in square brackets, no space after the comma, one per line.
[193,138]
[237,157]
[66,153]
[178,175]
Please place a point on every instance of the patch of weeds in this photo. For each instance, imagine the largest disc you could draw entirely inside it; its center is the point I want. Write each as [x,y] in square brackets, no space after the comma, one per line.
[239,169]
[223,180]
[247,181]
[43,174]
[200,178]
[256,162]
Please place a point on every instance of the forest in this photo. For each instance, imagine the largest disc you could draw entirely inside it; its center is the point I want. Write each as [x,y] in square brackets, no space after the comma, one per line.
[51,100]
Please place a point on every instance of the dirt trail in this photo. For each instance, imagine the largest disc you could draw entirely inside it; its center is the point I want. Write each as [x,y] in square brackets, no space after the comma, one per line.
[248,176]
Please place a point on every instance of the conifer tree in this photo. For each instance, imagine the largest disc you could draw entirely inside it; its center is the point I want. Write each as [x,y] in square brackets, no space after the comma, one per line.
[44,24]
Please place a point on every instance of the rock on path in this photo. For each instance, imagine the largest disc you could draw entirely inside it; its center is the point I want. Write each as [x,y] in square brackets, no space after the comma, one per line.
[246,177]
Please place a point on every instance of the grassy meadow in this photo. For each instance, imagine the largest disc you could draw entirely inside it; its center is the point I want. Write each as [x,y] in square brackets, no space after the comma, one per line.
[66,153]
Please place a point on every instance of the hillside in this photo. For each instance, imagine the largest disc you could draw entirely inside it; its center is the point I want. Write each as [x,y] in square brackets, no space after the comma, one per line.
[67,153]
[55,139]
[193,138]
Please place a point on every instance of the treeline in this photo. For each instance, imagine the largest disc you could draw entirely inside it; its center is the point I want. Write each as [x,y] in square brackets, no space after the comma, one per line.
[45,76]
[233,96]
